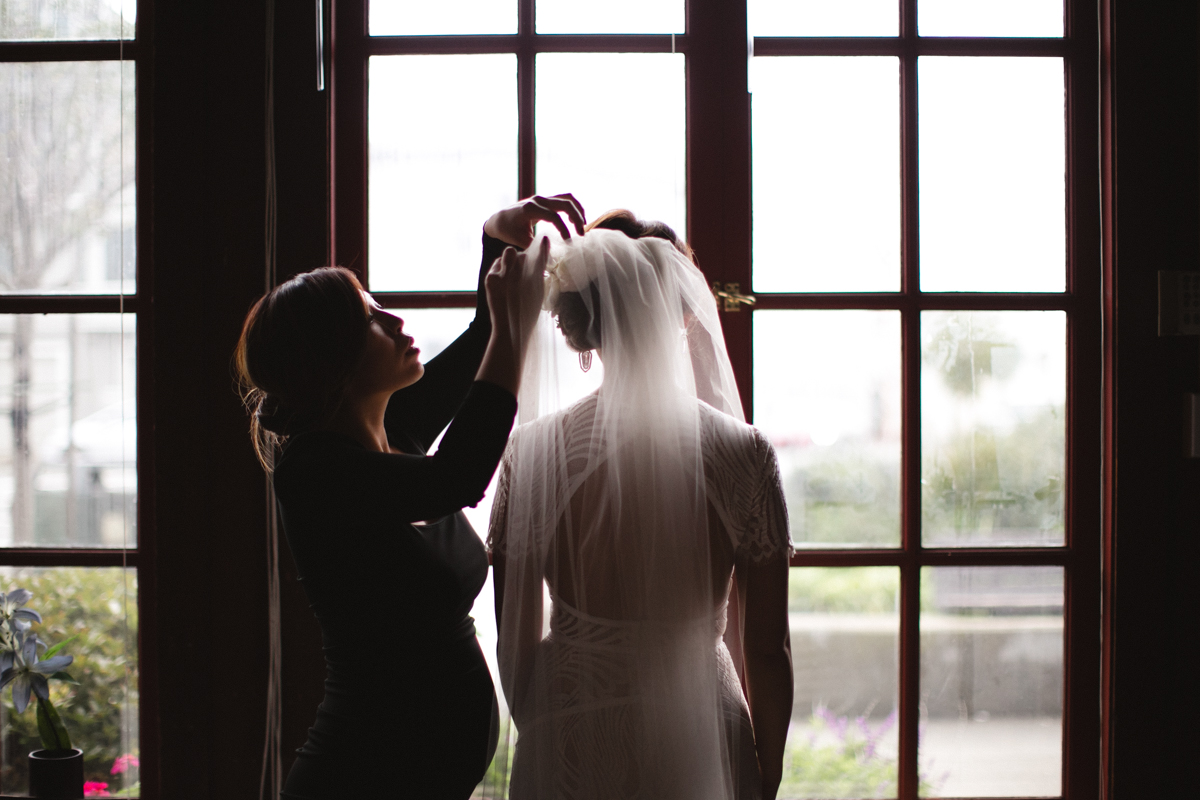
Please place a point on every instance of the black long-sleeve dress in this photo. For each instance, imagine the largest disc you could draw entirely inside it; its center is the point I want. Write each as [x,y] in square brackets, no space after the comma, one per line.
[409,708]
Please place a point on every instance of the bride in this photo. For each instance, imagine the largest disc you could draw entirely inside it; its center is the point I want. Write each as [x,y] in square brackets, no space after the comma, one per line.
[635,506]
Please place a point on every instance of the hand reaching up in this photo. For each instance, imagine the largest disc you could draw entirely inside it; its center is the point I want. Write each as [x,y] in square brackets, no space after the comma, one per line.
[516,223]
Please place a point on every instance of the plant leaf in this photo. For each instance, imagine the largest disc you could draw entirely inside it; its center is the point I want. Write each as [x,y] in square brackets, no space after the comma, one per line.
[50,726]
[64,677]
[59,646]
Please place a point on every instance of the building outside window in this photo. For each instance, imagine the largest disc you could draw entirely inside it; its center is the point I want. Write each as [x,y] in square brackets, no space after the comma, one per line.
[69,308]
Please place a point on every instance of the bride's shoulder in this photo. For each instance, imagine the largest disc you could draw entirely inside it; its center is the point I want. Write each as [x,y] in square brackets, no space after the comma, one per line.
[721,433]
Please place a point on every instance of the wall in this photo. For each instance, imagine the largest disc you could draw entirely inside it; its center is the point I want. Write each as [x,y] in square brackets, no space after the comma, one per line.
[1156,694]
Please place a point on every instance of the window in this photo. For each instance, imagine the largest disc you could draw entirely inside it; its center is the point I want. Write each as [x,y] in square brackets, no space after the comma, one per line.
[904,189]
[70,298]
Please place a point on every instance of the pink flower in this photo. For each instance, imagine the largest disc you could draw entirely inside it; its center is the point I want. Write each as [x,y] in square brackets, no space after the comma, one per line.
[95,789]
[125,762]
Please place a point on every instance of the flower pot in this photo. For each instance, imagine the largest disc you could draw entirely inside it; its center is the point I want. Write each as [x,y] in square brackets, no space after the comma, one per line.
[56,774]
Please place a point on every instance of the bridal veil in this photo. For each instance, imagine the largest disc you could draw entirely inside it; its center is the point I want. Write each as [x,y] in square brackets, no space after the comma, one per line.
[615,688]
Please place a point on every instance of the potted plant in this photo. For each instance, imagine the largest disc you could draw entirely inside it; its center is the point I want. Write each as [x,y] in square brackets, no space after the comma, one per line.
[55,771]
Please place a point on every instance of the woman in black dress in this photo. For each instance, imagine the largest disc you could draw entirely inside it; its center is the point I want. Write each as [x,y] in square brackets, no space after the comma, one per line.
[389,563]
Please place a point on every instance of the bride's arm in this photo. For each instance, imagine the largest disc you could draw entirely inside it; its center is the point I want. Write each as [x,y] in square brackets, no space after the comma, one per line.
[518,605]
[762,574]
[767,653]
[519,620]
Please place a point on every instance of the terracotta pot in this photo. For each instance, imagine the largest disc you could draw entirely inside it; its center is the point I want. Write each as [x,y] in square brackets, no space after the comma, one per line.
[56,774]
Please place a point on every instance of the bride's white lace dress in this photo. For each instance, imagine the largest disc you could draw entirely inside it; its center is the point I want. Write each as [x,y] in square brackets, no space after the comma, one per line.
[615,708]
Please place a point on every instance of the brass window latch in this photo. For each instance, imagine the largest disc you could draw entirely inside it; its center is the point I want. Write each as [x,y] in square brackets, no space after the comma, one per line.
[730,298]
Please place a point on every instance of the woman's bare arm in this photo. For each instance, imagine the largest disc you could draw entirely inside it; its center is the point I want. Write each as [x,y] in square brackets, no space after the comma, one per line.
[767,653]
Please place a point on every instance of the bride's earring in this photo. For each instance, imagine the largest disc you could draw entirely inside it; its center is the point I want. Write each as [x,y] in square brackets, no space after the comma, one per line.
[585,360]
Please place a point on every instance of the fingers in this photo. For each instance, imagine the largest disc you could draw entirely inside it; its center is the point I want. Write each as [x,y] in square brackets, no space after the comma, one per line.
[548,209]
[571,207]
[502,264]
[543,256]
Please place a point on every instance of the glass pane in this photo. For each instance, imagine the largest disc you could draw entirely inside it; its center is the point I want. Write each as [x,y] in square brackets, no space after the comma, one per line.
[613,16]
[827,395]
[991,681]
[442,133]
[993,394]
[67,19]
[826,147]
[822,18]
[66,188]
[99,607]
[992,173]
[447,17]
[68,448]
[609,146]
[843,740]
[989,18]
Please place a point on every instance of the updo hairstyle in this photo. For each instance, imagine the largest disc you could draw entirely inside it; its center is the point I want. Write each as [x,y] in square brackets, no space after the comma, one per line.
[300,345]
[579,326]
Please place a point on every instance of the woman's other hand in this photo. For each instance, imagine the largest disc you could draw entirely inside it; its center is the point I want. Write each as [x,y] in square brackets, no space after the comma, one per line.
[515,285]
[516,223]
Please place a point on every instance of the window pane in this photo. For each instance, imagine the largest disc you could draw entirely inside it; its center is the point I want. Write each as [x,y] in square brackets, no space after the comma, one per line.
[66,188]
[68,449]
[826,174]
[67,19]
[991,681]
[443,144]
[992,173]
[99,606]
[614,16]
[822,18]
[827,395]
[845,625]
[988,18]
[446,17]
[993,393]
[609,146]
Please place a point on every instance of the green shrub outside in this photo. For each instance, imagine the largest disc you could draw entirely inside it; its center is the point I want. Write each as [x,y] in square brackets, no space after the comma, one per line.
[87,603]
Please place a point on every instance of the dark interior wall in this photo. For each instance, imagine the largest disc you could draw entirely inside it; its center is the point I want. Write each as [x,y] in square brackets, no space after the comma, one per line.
[1157,506]
[206,637]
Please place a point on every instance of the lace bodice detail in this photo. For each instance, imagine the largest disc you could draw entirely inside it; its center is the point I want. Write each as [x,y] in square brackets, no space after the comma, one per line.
[741,476]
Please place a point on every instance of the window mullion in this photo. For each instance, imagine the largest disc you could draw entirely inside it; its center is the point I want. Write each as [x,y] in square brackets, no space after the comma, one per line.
[910,319]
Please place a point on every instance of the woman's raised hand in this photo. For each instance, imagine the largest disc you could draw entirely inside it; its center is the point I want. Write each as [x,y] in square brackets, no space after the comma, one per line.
[515,224]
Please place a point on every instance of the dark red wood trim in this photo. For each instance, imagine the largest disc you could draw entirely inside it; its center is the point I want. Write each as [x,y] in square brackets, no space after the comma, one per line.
[543,43]
[68,557]
[908,779]
[350,136]
[70,304]
[939,557]
[109,50]
[919,301]
[922,46]
[1108,240]
[1082,487]
[150,728]
[718,163]
[425,299]
[526,101]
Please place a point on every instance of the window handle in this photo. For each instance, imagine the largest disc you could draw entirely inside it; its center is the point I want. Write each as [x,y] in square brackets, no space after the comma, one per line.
[730,297]
[320,46]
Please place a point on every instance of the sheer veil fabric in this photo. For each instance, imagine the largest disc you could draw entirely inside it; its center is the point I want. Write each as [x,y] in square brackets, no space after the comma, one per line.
[629,692]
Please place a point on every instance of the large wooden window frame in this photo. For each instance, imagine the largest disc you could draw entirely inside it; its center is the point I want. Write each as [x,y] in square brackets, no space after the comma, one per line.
[719,228]
[138,303]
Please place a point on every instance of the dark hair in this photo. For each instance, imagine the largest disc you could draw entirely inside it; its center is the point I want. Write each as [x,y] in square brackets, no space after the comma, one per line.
[300,345]
[581,326]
